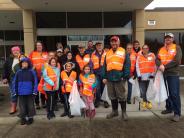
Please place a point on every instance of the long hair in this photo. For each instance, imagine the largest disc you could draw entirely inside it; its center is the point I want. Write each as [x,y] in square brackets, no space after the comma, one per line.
[51,61]
[43,46]
[84,69]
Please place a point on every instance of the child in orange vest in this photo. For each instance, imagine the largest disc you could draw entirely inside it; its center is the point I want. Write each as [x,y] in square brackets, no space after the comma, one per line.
[68,76]
[51,76]
[87,82]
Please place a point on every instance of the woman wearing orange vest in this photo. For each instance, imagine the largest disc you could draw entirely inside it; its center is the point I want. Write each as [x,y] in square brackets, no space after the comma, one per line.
[68,76]
[87,82]
[82,58]
[97,59]
[133,57]
[168,61]
[51,75]
[38,57]
[145,68]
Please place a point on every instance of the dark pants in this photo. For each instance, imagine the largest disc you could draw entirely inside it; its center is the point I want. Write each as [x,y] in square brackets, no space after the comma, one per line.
[129,91]
[50,101]
[100,87]
[173,103]
[26,105]
[38,96]
[143,84]
[66,103]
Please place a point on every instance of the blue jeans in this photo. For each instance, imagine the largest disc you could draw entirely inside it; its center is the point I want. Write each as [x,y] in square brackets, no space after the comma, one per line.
[143,89]
[173,103]
[100,87]
[129,91]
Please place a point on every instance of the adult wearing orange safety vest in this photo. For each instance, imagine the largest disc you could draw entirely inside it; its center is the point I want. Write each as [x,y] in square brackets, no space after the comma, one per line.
[38,57]
[97,59]
[116,70]
[82,58]
[133,56]
[168,61]
[145,68]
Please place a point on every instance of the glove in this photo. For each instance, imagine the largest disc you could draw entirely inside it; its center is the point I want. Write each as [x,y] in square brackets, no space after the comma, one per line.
[139,78]
[34,93]
[151,77]
[134,77]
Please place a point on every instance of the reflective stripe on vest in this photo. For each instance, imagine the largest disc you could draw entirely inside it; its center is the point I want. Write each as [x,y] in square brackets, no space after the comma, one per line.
[146,64]
[115,61]
[82,61]
[97,63]
[167,56]
[87,84]
[133,57]
[68,81]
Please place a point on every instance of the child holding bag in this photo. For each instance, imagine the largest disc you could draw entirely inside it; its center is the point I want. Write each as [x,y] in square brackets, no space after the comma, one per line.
[67,78]
[87,82]
[51,76]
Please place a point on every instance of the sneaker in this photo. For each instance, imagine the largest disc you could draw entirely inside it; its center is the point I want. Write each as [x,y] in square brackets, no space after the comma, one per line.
[23,121]
[149,105]
[124,116]
[97,104]
[128,102]
[166,112]
[106,105]
[44,106]
[112,115]
[176,118]
[143,105]
[63,114]
[52,115]
[37,107]
[48,116]
[30,121]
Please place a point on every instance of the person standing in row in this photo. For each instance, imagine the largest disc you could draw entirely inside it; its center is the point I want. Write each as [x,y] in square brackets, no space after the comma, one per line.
[97,59]
[116,70]
[51,75]
[145,67]
[25,87]
[168,61]
[68,76]
[90,48]
[8,75]
[38,58]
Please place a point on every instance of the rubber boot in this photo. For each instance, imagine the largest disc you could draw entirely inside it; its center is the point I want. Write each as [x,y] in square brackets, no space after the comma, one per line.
[13,109]
[123,108]
[114,112]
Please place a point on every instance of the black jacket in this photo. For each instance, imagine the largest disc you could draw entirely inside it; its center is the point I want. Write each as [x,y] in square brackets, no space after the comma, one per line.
[8,68]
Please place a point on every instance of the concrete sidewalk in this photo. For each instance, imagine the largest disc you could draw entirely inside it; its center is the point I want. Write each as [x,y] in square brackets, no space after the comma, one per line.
[141,123]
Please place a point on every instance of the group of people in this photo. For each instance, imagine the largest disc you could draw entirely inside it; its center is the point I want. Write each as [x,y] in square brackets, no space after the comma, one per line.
[49,76]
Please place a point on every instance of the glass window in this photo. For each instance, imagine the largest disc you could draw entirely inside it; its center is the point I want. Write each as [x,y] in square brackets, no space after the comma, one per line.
[84,19]
[1,35]
[117,19]
[12,35]
[51,20]
[85,37]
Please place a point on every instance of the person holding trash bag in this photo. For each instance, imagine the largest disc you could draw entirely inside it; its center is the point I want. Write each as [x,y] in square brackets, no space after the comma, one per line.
[87,83]
[68,76]
[51,74]
[145,68]
[168,61]
[116,71]
[97,59]
[133,57]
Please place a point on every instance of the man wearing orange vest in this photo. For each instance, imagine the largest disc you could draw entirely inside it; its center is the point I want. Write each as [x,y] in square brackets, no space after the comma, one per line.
[133,57]
[168,61]
[97,59]
[82,58]
[116,70]
[145,68]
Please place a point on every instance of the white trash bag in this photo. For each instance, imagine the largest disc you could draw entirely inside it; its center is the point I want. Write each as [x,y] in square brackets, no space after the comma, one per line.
[151,92]
[159,84]
[135,88]
[76,103]
[105,96]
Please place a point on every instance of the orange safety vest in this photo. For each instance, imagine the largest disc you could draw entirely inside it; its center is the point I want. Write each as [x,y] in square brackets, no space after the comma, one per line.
[165,55]
[115,60]
[52,75]
[97,63]
[133,57]
[82,61]
[146,64]
[38,59]
[68,81]
[87,84]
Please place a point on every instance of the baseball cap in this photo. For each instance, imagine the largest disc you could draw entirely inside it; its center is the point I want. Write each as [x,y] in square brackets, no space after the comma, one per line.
[169,35]
[115,38]
[60,50]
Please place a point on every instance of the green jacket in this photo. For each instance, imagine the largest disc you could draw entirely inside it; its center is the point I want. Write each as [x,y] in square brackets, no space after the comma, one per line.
[115,75]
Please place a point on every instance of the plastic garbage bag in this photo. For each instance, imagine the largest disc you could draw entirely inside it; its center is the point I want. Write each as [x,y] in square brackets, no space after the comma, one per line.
[135,88]
[151,92]
[105,96]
